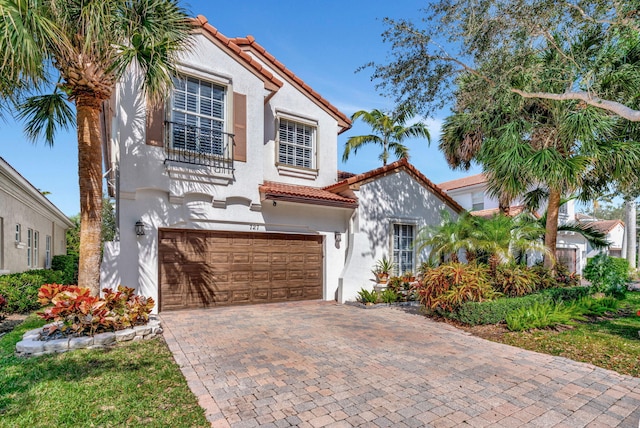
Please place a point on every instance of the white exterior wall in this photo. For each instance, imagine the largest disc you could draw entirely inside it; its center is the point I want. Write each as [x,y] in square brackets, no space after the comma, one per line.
[394,198]
[21,203]
[194,197]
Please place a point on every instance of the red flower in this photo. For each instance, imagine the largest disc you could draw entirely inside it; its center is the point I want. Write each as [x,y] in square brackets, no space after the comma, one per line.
[638,313]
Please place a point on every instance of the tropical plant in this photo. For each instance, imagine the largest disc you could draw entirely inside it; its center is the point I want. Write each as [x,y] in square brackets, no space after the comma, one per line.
[543,315]
[365,296]
[607,274]
[81,49]
[385,266]
[21,289]
[76,311]
[389,296]
[446,239]
[514,280]
[450,285]
[390,130]
[3,305]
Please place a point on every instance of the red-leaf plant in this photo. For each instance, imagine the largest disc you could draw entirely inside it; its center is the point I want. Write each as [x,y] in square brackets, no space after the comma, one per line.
[3,304]
[76,312]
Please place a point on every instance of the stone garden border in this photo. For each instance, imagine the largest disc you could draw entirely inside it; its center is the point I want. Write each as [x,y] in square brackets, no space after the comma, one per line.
[31,344]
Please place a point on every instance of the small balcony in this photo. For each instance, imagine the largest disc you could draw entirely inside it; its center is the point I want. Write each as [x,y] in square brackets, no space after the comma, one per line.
[199,146]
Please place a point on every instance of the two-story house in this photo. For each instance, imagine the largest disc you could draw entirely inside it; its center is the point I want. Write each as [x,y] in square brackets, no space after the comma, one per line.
[228,191]
[471,193]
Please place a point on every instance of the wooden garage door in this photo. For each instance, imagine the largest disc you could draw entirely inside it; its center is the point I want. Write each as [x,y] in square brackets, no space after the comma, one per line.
[200,268]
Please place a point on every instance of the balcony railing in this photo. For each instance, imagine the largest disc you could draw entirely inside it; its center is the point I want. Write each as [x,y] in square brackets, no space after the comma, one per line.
[199,146]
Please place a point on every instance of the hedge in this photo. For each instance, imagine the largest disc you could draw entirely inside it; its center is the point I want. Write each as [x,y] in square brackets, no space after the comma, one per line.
[68,264]
[21,289]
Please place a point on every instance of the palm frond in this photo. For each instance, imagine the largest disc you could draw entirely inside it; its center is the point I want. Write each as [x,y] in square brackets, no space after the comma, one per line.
[44,115]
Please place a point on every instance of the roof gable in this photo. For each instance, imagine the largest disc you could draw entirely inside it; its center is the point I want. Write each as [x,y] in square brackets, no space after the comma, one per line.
[357,180]
[249,43]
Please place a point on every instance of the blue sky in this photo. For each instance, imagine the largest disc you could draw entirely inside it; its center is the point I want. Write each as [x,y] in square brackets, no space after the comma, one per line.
[323,42]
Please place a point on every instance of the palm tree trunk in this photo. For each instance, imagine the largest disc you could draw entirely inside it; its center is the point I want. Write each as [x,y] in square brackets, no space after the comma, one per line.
[551,228]
[90,177]
[630,232]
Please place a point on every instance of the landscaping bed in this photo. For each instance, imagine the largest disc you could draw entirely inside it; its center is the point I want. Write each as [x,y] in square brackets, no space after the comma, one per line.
[611,342]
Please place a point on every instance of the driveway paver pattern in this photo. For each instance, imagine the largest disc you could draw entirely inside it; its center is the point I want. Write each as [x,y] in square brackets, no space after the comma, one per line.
[319,364]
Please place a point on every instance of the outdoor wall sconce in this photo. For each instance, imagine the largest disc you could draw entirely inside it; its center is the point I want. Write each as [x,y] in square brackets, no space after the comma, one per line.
[139,228]
[338,237]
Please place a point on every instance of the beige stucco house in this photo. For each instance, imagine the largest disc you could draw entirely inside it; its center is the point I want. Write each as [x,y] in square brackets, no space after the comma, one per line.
[32,229]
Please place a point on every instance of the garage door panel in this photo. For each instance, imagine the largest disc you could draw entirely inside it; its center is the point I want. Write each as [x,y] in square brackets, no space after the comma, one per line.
[217,268]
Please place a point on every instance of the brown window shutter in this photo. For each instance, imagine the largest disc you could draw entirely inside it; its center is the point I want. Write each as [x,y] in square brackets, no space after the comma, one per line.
[155,124]
[240,127]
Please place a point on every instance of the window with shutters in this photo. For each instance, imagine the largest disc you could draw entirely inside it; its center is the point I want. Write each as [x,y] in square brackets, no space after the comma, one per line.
[296,143]
[198,116]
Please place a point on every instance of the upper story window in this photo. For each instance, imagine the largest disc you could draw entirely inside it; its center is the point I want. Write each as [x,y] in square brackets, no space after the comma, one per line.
[477,201]
[197,118]
[296,144]
[18,233]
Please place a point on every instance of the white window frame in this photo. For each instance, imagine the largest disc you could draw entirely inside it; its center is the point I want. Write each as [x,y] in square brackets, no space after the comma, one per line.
[291,160]
[29,246]
[36,245]
[219,144]
[18,233]
[398,251]
[47,251]
[477,201]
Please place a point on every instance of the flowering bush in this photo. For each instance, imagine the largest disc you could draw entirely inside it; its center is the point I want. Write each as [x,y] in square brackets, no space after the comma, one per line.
[3,305]
[75,311]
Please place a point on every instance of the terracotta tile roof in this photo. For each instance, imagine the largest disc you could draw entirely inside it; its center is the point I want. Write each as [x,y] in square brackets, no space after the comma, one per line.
[604,226]
[304,194]
[463,182]
[271,82]
[392,168]
[490,212]
[343,175]
[250,42]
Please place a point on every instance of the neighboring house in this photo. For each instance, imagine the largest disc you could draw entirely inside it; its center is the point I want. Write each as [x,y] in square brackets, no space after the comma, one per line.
[471,193]
[614,229]
[32,229]
[232,182]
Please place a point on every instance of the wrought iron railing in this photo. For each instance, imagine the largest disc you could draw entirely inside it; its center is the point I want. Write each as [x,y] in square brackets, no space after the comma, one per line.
[199,146]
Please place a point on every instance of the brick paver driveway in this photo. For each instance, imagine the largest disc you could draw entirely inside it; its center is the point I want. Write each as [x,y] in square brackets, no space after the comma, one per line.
[320,364]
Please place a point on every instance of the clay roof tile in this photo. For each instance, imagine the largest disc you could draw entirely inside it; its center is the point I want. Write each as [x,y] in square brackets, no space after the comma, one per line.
[305,194]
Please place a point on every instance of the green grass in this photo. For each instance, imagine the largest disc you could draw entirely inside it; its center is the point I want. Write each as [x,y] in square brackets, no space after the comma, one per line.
[133,384]
[611,343]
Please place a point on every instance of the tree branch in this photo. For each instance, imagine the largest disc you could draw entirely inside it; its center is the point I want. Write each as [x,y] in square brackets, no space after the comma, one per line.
[612,106]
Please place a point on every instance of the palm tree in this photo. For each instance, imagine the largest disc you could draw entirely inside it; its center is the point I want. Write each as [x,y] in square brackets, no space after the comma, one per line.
[447,238]
[390,130]
[81,48]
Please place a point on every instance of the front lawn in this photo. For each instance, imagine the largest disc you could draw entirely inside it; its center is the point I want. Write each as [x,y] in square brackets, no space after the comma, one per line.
[611,343]
[133,384]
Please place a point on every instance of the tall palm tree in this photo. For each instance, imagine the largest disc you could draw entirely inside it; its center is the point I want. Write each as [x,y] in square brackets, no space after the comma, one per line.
[390,130]
[81,48]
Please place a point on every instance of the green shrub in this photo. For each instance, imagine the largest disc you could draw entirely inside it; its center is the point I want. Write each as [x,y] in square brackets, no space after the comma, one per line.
[494,311]
[545,279]
[515,280]
[607,274]
[598,306]
[450,285]
[543,315]
[567,294]
[68,264]
[366,296]
[388,296]
[21,289]
[564,278]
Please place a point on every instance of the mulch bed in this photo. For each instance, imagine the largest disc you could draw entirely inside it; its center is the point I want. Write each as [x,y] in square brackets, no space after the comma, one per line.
[10,322]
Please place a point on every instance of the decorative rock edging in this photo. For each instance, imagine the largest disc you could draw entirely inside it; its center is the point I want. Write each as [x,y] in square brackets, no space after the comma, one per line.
[31,344]
[382,305]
